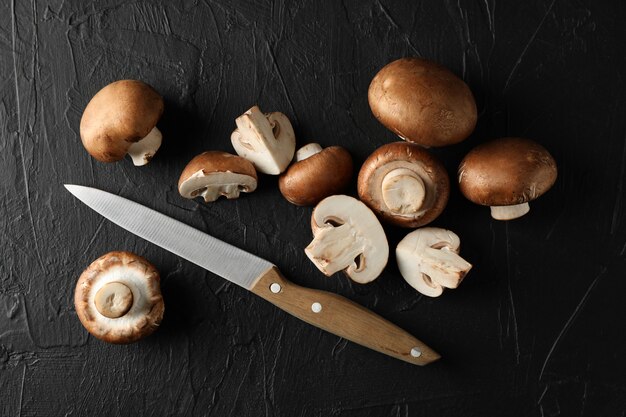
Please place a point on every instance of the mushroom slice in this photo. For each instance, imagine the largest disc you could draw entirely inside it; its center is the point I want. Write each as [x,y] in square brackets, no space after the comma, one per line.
[266,140]
[215,173]
[347,237]
[118,298]
[404,184]
[316,174]
[121,119]
[422,102]
[428,260]
[506,174]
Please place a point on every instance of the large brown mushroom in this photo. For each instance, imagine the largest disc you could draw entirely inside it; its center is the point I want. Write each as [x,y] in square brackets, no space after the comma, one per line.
[121,119]
[316,174]
[404,184]
[214,173]
[118,298]
[506,174]
[423,102]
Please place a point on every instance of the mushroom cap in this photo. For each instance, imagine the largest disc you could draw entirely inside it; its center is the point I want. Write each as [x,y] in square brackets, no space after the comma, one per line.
[227,173]
[120,114]
[506,172]
[393,156]
[144,315]
[423,102]
[310,180]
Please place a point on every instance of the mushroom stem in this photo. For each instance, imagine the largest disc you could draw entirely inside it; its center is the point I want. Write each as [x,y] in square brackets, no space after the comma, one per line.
[307,151]
[143,150]
[334,248]
[114,300]
[403,191]
[509,212]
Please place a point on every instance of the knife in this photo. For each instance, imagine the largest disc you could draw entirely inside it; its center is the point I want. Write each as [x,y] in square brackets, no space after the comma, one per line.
[328,311]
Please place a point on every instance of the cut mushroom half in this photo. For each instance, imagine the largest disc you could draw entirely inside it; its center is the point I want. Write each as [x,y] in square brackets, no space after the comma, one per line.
[506,174]
[266,140]
[404,184]
[118,298]
[121,119]
[316,174]
[428,259]
[213,174]
[347,237]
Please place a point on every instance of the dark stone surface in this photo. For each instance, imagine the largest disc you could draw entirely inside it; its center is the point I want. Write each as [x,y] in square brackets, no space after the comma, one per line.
[537,328]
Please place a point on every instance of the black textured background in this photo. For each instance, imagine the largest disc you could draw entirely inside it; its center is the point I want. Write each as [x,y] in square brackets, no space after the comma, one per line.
[536,329]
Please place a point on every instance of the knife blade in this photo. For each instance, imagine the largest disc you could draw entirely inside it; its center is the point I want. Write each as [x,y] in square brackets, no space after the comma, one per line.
[328,311]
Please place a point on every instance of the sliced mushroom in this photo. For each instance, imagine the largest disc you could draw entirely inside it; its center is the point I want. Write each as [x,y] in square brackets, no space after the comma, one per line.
[118,298]
[506,174]
[121,119]
[349,238]
[266,140]
[423,102]
[214,173]
[404,184]
[316,174]
[428,260]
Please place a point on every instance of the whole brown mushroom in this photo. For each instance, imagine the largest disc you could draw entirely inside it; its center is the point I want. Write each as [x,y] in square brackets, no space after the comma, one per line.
[423,102]
[316,174]
[121,119]
[118,298]
[506,174]
[404,184]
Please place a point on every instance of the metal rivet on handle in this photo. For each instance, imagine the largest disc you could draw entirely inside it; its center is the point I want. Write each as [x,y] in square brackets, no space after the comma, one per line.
[316,307]
[275,288]
[416,353]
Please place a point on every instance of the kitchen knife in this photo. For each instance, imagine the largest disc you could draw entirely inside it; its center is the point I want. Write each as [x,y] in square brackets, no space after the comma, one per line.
[328,311]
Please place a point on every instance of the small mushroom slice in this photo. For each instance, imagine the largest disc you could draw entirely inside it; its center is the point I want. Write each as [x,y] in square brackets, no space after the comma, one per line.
[213,174]
[422,102]
[118,298]
[316,174]
[121,119]
[347,237]
[266,140]
[506,174]
[404,184]
[428,260]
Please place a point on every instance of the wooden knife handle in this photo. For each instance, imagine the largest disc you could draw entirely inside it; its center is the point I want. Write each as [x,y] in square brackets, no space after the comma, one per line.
[340,316]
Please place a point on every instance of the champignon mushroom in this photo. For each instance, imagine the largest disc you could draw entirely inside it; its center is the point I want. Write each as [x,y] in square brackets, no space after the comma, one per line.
[347,236]
[506,174]
[121,119]
[214,173]
[404,184]
[316,174]
[266,140]
[423,102]
[428,260]
[118,298]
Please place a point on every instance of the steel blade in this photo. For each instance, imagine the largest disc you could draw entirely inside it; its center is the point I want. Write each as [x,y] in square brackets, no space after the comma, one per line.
[223,259]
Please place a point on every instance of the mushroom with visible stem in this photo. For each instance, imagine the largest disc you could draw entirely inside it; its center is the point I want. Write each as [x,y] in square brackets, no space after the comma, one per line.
[316,174]
[428,260]
[121,119]
[404,184]
[506,174]
[118,298]
[266,140]
[422,102]
[349,238]
[213,174]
